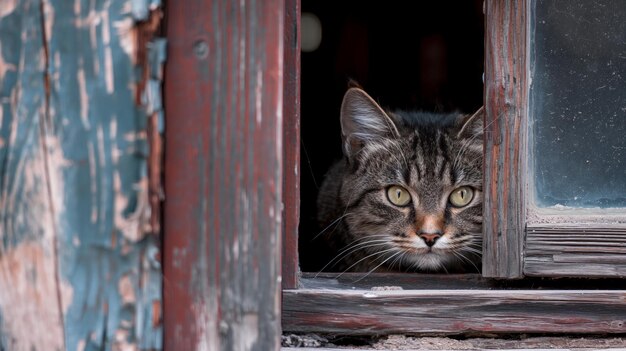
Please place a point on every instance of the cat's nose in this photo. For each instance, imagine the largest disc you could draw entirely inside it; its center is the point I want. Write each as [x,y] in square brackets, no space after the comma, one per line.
[430,228]
[430,238]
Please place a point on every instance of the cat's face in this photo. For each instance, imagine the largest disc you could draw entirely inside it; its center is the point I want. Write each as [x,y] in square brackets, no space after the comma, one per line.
[414,186]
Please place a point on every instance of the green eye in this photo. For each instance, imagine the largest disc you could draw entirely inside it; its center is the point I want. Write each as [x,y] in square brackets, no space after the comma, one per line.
[398,195]
[462,196]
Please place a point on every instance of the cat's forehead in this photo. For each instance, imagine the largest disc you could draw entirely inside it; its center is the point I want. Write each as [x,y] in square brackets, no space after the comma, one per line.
[430,158]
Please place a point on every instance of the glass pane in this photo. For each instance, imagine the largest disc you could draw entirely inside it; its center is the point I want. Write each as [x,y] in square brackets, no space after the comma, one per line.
[578,103]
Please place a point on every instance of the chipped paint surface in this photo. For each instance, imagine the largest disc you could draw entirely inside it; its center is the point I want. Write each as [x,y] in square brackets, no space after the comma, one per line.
[79,260]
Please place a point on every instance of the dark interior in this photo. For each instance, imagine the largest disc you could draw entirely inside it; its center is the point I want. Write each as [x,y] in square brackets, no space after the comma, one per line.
[421,55]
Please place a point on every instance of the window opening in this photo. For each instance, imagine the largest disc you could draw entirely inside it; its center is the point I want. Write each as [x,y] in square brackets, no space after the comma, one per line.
[406,55]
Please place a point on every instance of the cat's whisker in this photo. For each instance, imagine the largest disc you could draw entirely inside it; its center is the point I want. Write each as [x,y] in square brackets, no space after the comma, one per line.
[362,246]
[401,152]
[464,258]
[375,268]
[308,159]
[361,240]
[471,247]
[396,260]
[336,221]
[351,249]
[440,263]
[364,258]
[465,146]
[472,250]
[471,140]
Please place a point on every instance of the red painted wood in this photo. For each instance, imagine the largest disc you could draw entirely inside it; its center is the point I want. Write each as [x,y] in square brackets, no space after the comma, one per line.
[505,137]
[223,175]
[448,311]
[291,135]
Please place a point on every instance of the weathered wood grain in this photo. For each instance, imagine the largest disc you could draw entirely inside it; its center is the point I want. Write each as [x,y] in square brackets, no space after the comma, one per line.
[406,281]
[223,175]
[421,281]
[454,311]
[291,135]
[31,315]
[505,137]
[79,261]
[575,251]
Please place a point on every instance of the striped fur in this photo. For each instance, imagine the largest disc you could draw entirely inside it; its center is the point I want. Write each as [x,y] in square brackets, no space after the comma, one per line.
[429,155]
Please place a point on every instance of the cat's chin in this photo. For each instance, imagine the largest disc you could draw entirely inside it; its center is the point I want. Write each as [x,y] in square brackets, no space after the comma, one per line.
[431,262]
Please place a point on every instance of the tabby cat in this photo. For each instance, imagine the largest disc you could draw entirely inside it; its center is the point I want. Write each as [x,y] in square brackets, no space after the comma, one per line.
[407,196]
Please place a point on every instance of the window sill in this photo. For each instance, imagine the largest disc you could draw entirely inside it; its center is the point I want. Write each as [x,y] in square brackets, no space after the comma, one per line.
[447,305]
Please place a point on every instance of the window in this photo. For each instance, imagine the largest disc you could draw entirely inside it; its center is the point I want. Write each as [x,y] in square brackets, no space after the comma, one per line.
[576,220]
[230,170]
[553,152]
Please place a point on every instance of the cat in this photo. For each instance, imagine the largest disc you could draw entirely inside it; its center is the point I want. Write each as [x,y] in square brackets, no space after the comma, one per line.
[407,195]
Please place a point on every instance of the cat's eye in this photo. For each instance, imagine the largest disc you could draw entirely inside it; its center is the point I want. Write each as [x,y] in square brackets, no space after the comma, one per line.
[462,196]
[398,195]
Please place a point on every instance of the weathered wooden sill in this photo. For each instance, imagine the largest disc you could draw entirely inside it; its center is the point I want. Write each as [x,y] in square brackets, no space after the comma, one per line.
[462,304]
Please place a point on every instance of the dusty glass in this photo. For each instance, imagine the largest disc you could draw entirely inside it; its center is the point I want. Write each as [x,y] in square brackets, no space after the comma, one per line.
[578,103]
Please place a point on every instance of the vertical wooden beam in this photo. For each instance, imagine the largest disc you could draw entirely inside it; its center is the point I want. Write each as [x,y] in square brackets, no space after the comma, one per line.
[223,175]
[291,135]
[506,74]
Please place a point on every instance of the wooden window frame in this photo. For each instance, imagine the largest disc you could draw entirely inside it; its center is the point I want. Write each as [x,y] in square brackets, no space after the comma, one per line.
[555,243]
[466,303]
[231,87]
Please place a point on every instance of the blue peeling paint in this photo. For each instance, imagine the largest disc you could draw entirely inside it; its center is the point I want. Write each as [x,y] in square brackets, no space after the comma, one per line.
[93,118]
[20,38]
[152,97]
[141,8]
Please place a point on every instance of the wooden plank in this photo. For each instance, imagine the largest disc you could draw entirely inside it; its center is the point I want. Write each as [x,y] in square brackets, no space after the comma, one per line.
[505,137]
[291,135]
[223,175]
[350,281]
[31,313]
[550,267]
[454,311]
[575,251]
[420,281]
[79,260]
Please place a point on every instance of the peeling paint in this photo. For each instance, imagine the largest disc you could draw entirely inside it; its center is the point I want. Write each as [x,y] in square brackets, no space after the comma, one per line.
[126,290]
[48,17]
[30,321]
[7,7]
[5,66]
[93,182]
[127,35]
[84,99]
[76,250]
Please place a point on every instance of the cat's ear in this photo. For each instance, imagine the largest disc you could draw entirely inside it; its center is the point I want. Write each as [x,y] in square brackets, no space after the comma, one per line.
[471,126]
[363,121]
